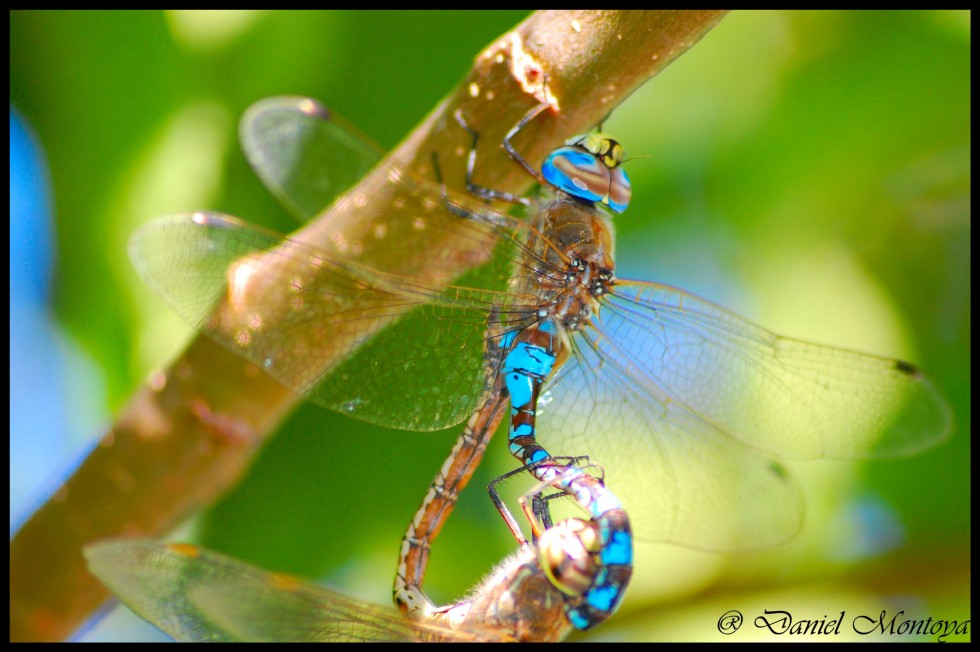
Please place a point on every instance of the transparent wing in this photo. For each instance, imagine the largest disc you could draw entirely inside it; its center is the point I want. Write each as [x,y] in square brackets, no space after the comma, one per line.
[788,397]
[312,311]
[379,347]
[195,595]
[682,400]
[680,480]
[305,154]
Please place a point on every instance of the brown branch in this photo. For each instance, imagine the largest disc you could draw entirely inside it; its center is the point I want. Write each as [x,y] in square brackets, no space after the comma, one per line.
[190,432]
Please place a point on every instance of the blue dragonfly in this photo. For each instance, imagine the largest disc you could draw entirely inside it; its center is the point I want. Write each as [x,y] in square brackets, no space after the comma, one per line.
[685,402]
[276,142]
[193,594]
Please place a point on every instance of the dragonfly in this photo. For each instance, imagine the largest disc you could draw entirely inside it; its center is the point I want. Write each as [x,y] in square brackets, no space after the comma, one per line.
[687,404]
[193,594]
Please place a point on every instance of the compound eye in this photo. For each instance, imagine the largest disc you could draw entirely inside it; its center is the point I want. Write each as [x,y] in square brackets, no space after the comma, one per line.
[620,190]
[590,176]
[577,172]
[565,553]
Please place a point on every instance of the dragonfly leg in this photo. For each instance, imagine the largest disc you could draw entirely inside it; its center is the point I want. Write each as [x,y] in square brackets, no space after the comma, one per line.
[539,512]
[537,497]
[482,191]
[502,508]
[507,144]
[438,504]
[509,147]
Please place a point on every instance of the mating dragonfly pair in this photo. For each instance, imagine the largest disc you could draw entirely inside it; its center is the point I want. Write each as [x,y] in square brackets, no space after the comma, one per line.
[196,595]
[680,400]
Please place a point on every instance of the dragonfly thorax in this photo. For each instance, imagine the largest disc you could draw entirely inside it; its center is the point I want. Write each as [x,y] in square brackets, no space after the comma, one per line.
[576,242]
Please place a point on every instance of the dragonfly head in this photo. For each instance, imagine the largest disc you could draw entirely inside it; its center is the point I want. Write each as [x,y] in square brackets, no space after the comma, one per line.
[588,168]
[565,553]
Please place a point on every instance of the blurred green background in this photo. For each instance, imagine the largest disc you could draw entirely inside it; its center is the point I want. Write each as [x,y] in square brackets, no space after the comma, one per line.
[808,170]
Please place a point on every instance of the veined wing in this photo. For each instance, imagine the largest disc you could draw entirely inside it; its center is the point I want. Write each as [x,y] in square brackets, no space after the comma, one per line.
[305,154]
[681,480]
[792,398]
[314,312]
[381,347]
[196,595]
[682,399]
